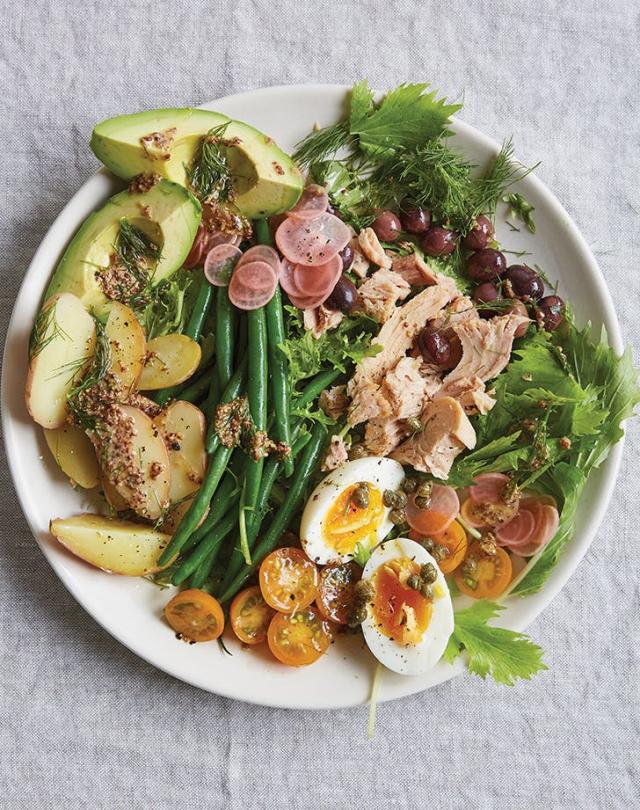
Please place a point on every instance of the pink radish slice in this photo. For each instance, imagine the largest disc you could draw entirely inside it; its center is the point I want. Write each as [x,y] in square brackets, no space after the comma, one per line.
[219,264]
[313,242]
[488,487]
[307,303]
[215,238]
[547,525]
[262,253]
[252,285]
[287,279]
[245,299]
[312,203]
[517,531]
[320,280]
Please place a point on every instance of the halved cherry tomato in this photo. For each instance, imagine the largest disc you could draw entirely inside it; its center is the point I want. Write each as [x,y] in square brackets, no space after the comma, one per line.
[443,509]
[299,639]
[492,575]
[196,615]
[454,539]
[250,616]
[336,590]
[488,513]
[288,580]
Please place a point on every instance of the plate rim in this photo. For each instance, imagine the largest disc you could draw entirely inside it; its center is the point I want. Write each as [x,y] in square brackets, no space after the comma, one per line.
[560,575]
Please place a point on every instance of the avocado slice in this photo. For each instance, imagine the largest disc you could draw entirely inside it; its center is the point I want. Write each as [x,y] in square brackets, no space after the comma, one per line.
[165,142]
[168,214]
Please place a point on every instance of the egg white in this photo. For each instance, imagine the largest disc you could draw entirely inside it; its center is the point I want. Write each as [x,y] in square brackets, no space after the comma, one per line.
[383,473]
[411,659]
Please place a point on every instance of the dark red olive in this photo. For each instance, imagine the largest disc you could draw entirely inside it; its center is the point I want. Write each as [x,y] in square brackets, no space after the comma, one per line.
[346,254]
[518,308]
[525,282]
[486,293]
[387,226]
[486,264]
[415,220]
[480,235]
[551,309]
[439,241]
[435,347]
[344,296]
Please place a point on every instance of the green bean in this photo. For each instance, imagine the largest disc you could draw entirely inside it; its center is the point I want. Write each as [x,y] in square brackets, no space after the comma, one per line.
[195,391]
[230,392]
[310,458]
[225,336]
[203,549]
[219,458]
[199,576]
[316,386]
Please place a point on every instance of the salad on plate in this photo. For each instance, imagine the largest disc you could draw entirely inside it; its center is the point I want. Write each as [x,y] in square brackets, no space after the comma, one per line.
[313,394]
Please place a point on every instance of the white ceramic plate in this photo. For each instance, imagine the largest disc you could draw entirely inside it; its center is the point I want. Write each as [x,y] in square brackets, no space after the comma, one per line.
[130,609]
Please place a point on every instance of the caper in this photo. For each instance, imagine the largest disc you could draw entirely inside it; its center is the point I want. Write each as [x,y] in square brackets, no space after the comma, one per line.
[400,500]
[414,582]
[397,517]
[410,485]
[428,544]
[424,489]
[362,592]
[422,503]
[469,566]
[471,583]
[426,591]
[440,552]
[357,616]
[389,497]
[428,573]
[361,496]
[413,424]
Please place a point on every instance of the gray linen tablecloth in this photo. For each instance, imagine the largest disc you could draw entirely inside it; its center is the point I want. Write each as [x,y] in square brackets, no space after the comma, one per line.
[83,722]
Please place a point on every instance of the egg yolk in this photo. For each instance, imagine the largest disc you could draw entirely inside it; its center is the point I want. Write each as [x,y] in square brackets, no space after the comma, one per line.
[400,612]
[348,522]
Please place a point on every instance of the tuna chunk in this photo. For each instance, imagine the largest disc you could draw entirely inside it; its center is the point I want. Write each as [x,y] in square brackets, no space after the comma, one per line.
[470,394]
[460,310]
[372,249]
[446,431]
[360,264]
[319,320]
[414,270]
[381,436]
[380,293]
[336,454]
[404,388]
[334,401]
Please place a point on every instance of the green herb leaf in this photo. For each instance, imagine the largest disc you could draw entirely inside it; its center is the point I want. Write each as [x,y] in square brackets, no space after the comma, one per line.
[504,654]
[361,554]
[520,209]
[210,175]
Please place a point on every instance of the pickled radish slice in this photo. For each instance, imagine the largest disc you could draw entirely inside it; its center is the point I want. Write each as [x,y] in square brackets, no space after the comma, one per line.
[252,285]
[215,238]
[547,524]
[219,264]
[313,242]
[488,487]
[517,531]
[287,280]
[309,302]
[319,280]
[443,508]
[312,203]
[262,253]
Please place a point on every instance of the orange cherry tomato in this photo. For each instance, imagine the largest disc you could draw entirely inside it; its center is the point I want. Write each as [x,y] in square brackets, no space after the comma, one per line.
[250,616]
[300,638]
[196,615]
[288,580]
[336,590]
[492,574]
[454,539]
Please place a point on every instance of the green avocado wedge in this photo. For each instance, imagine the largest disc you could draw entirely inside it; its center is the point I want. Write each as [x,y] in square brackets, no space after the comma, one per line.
[168,214]
[165,142]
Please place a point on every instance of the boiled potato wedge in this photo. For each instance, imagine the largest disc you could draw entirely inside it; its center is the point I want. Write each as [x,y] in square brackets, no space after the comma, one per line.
[183,426]
[114,498]
[63,339]
[128,345]
[113,545]
[74,454]
[135,461]
[171,359]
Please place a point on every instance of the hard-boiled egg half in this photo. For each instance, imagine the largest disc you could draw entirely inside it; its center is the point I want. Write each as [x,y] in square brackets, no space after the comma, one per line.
[405,630]
[346,508]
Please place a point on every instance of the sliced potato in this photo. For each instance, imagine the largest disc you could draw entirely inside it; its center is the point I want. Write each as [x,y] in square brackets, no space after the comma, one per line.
[113,545]
[183,426]
[171,359]
[64,338]
[114,498]
[74,454]
[135,461]
[175,515]
[128,345]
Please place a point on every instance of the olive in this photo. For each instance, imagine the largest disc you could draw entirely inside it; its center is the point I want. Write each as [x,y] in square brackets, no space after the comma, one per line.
[344,296]
[485,293]
[347,255]
[480,235]
[435,347]
[439,241]
[387,226]
[486,264]
[415,220]
[552,312]
[518,308]
[525,282]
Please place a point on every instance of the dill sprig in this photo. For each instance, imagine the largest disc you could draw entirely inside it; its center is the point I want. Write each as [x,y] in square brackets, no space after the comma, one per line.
[97,371]
[135,251]
[209,175]
[323,144]
[45,329]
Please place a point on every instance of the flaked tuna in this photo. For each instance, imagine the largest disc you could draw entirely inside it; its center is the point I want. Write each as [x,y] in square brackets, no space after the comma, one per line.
[334,401]
[380,293]
[414,270]
[320,319]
